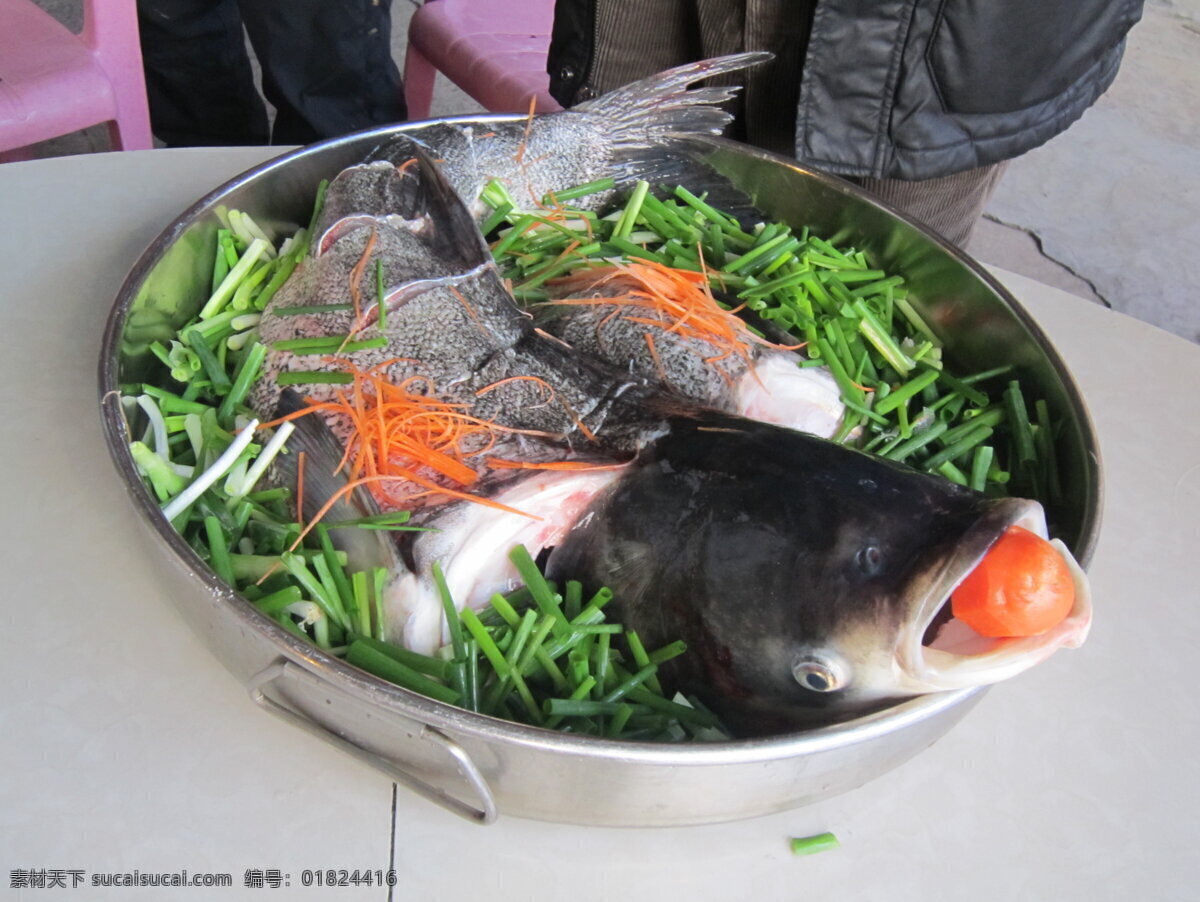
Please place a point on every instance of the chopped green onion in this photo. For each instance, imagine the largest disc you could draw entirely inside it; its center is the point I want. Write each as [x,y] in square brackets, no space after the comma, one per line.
[333,344]
[448,606]
[218,550]
[810,845]
[380,304]
[632,208]
[314,377]
[981,462]
[264,459]
[246,375]
[910,389]
[225,290]
[370,659]
[311,309]
[559,197]
[543,596]
[201,483]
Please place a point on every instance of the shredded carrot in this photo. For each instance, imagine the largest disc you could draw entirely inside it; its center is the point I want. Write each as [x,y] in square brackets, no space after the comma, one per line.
[469,307]
[406,445]
[673,300]
[662,373]
[552,395]
[528,127]
[579,423]
[540,159]
[556,211]
[394,429]
[546,335]
[355,288]
[537,379]
[566,252]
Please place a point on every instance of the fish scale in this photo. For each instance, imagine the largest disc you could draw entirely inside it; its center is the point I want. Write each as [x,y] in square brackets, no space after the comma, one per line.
[455,329]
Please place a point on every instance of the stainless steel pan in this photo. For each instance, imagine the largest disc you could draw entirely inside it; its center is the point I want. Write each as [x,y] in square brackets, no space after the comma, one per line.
[478,766]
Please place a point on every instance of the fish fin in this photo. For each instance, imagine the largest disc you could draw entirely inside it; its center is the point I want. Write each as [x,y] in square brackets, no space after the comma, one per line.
[455,235]
[365,548]
[648,112]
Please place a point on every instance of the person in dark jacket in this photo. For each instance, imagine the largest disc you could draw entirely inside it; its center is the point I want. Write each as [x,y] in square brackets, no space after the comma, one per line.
[922,101]
[327,69]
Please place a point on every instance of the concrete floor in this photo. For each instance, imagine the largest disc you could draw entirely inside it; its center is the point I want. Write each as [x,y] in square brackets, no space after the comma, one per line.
[1109,210]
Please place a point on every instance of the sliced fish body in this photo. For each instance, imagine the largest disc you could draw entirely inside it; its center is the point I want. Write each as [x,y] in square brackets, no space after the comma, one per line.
[449,323]
[685,343]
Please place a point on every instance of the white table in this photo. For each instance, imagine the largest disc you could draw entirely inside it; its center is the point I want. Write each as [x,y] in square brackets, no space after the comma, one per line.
[125,746]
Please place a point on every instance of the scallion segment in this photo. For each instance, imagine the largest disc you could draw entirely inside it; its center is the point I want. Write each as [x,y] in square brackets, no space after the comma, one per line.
[810,845]
[508,661]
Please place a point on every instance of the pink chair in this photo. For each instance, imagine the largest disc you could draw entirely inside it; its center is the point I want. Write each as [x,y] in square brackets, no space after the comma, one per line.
[495,50]
[53,82]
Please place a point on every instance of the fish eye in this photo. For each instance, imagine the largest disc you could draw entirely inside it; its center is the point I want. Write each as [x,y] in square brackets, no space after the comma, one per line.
[818,675]
[869,559]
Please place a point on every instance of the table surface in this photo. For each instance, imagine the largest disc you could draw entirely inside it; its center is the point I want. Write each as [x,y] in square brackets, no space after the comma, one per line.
[124,746]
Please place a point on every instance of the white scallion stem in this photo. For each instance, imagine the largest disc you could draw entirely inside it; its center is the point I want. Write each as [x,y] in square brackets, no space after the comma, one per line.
[234,278]
[246,230]
[264,460]
[245,321]
[309,610]
[254,229]
[236,476]
[195,432]
[290,242]
[158,424]
[199,486]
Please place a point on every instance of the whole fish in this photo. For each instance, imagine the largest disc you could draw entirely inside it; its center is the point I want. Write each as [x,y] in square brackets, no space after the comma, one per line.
[810,581]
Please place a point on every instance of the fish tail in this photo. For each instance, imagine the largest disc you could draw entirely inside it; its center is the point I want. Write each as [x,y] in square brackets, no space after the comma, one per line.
[648,112]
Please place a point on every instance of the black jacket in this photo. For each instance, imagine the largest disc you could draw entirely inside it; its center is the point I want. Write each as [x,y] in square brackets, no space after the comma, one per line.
[914,89]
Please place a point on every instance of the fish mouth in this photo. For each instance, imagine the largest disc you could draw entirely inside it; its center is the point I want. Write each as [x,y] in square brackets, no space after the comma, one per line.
[937,651]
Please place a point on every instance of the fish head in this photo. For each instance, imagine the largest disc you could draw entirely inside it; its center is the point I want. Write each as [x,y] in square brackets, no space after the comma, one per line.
[865,617]
[810,582]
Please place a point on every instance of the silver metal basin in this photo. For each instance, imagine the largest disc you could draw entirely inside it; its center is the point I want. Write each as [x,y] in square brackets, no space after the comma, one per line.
[479,766]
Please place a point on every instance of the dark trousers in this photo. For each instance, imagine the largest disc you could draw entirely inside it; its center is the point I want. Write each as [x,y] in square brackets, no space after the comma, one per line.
[327,69]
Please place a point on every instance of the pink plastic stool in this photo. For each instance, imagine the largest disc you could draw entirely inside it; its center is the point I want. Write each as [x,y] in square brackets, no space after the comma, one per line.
[495,50]
[53,82]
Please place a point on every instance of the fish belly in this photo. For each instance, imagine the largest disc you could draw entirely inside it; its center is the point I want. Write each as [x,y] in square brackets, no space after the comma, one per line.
[471,544]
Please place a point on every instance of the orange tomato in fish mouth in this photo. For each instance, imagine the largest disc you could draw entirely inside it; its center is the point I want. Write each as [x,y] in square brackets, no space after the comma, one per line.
[1021,587]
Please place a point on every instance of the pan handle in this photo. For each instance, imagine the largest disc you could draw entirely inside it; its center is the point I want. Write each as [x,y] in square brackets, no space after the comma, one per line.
[485,813]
